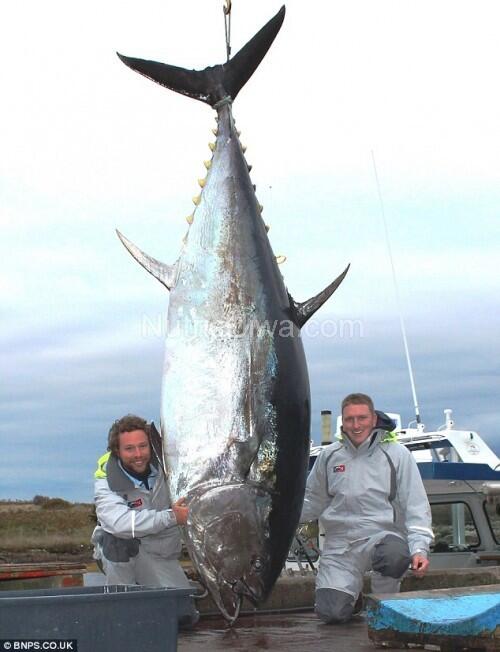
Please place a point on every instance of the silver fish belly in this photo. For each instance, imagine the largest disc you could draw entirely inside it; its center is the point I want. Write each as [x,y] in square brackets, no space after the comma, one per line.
[235,406]
[222,366]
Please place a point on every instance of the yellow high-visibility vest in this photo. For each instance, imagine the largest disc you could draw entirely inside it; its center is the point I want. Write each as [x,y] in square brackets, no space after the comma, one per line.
[100,473]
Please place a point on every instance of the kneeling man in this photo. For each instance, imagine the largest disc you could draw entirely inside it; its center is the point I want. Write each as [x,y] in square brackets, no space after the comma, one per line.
[138,539]
[368,494]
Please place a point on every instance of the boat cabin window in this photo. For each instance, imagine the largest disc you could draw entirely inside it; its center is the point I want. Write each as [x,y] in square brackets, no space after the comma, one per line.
[454,528]
[493,514]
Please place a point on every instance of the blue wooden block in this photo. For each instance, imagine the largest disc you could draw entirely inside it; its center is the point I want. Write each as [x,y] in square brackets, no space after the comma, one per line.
[452,618]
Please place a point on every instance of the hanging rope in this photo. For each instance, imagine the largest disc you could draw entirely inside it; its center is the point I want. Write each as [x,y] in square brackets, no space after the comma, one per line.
[227,25]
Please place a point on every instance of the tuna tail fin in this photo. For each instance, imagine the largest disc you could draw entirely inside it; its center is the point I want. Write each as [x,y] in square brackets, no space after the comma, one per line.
[306,309]
[214,83]
[164,273]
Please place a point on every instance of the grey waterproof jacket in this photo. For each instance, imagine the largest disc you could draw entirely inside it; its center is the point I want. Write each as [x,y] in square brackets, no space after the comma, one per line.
[358,493]
[130,515]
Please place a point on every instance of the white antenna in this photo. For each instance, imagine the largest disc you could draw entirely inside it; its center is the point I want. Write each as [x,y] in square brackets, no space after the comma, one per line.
[420,425]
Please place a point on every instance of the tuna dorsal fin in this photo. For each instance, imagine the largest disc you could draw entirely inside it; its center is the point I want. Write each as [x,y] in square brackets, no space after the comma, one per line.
[306,309]
[217,82]
[164,273]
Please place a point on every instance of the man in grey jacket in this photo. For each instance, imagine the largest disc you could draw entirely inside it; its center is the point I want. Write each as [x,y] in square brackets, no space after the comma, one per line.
[138,539]
[367,492]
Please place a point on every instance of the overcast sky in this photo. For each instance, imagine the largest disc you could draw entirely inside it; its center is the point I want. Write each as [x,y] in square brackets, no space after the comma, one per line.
[88,146]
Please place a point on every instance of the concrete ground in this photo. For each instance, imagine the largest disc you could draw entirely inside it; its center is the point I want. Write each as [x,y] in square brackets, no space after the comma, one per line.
[300,630]
[297,632]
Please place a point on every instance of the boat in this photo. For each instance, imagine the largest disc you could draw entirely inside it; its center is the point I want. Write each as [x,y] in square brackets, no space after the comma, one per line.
[461,475]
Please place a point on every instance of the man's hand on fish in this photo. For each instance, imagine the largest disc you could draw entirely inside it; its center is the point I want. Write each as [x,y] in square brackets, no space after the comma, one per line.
[181,511]
[419,564]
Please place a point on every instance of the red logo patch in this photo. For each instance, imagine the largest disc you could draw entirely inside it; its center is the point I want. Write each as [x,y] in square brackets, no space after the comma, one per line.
[135,503]
[339,469]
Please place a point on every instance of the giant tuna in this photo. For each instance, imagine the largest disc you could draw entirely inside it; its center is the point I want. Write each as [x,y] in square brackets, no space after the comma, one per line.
[235,407]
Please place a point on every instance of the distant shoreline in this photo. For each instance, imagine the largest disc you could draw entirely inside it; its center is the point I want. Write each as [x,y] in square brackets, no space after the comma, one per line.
[46,530]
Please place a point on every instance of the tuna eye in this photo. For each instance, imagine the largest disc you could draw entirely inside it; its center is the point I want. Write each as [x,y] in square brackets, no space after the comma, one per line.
[257,564]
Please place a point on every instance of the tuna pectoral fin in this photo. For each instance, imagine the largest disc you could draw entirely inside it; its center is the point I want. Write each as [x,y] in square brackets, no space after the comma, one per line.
[214,83]
[307,308]
[164,273]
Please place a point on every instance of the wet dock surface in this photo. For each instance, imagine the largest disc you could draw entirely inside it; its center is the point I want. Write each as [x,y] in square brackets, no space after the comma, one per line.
[292,632]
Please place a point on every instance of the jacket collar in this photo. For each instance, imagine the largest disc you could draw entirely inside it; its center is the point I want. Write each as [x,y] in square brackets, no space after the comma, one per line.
[118,479]
[370,443]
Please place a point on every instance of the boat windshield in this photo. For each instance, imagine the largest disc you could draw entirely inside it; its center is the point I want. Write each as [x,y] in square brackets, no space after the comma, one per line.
[493,515]
[454,528]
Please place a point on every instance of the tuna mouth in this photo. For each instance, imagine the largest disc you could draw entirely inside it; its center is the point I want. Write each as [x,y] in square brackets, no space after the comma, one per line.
[229,598]
[240,587]
[230,611]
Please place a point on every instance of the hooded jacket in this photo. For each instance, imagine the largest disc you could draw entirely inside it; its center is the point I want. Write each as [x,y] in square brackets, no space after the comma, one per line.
[376,488]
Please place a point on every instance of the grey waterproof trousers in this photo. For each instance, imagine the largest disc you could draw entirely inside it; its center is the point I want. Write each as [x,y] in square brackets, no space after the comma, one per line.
[341,582]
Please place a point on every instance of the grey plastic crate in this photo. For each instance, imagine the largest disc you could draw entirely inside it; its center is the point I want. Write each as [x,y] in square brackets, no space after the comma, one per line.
[100,618]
